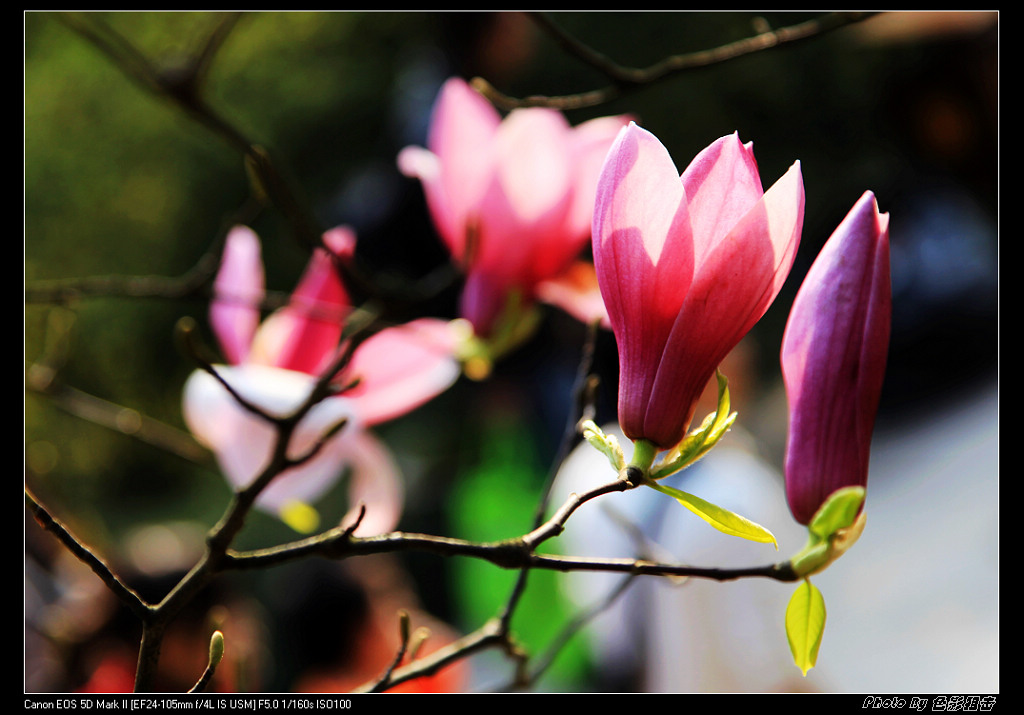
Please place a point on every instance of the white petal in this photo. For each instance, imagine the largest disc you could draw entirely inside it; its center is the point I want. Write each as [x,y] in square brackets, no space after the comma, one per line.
[243,442]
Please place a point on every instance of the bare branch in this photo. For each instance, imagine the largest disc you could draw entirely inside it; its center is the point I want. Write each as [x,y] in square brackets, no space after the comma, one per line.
[384,681]
[626,79]
[120,589]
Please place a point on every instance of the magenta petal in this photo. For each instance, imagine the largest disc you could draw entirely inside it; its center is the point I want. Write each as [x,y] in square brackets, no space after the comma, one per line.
[833,359]
[401,368]
[237,293]
[483,300]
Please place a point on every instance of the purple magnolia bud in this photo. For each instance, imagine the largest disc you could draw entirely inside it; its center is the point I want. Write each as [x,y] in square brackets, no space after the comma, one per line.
[833,360]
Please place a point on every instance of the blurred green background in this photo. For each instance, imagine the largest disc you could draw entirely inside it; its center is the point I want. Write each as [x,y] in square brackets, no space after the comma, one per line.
[120,182]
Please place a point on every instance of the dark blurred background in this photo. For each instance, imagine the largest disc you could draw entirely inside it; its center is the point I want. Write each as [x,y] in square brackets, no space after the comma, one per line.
[119,182]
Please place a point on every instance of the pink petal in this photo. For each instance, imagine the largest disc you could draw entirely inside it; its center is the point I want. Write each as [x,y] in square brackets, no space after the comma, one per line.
[462,132]
[522,232]
[462,122]
[304,335]
[745,268]
[722,184]
[643,257]
[533,164]
[639,187]
[739,279]
[576,292]
[401,368]
[590,143]
[687,264]
[237,293]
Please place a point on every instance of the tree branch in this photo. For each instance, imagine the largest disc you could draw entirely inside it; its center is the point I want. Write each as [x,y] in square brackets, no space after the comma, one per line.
[121,590]
[625,79]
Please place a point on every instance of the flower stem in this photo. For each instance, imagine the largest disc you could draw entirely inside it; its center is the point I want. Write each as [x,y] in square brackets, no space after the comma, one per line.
[644,453]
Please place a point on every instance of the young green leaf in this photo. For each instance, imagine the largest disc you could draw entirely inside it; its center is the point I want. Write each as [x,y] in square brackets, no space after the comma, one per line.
[606,443]
[722,519]
[838,512]
[805,623]
[700,441]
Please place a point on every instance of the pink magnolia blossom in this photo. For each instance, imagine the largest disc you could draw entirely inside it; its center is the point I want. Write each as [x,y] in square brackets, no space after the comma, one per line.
[833,360]
[687,265]
[275,365]
[511,199]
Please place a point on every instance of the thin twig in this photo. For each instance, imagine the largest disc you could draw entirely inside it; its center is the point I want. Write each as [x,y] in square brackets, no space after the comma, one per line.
[124,420]
[489,635]
[269,180]
[516,553]
[121,590]
[625,79]
[577,624]
[384,681]
[570,435]
[216,653]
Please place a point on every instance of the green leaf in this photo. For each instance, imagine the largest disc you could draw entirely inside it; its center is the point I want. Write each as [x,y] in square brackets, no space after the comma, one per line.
[722,519]
[805,623]
[606,443]
[722,413]
[838,512]
[700,441]
[686,451]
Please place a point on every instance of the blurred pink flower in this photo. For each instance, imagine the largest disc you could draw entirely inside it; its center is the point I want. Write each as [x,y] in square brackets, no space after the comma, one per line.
[275,365]
[833,360]
[687,265]
[512,199]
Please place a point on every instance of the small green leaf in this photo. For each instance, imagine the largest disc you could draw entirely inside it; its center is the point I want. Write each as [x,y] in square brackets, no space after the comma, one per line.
[606,443]
[838,512]
[700,441]
[686,451]
[805,623]
[722,519]
[722,413]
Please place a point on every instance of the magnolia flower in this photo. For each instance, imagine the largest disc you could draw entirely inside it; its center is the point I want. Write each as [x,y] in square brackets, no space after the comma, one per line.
[687,265]
[511,199]
[275,364]
[833,360]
